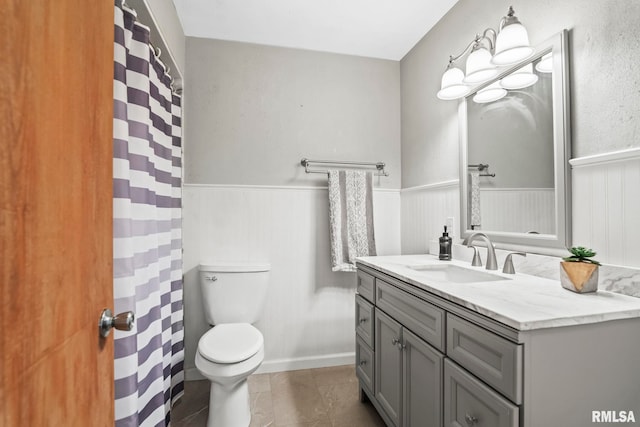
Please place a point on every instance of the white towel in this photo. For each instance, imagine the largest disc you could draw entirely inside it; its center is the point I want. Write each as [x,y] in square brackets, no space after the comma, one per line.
[474,205]
[350,218]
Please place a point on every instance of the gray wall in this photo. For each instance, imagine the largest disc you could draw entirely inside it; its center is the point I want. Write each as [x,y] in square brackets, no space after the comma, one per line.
[605,78]
[254,111]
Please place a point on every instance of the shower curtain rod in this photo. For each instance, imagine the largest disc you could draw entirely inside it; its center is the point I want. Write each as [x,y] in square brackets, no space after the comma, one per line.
[158,43]
[378,165]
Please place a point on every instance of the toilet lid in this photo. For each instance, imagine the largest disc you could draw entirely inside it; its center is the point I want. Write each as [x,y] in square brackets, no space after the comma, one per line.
[230,343]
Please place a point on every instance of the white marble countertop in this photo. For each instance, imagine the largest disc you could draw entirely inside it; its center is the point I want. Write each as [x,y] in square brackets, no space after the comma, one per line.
[521,301]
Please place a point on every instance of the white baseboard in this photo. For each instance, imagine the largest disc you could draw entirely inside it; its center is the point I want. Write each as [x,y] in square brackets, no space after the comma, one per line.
[307,362]
[268,366]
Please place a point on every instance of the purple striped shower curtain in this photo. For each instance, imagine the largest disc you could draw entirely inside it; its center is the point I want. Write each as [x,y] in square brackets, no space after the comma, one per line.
[147,169]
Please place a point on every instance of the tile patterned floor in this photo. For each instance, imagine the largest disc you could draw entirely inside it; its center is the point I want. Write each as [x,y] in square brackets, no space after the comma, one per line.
[324,397]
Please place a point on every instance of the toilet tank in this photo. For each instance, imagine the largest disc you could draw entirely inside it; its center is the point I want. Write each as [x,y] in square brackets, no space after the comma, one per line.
[233,293]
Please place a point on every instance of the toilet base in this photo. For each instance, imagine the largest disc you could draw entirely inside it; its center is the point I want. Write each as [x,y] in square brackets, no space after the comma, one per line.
[229,392]
[229,405]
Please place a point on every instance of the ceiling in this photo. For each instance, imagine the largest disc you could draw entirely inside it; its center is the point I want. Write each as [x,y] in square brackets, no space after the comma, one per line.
[385,29]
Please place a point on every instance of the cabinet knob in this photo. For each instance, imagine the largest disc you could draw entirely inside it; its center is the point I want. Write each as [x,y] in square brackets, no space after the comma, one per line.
[398,343]
[470,419]
[362,320]
[363,362]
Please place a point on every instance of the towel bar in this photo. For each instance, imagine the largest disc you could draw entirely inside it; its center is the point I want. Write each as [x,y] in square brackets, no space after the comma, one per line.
[378,165]
[481,167]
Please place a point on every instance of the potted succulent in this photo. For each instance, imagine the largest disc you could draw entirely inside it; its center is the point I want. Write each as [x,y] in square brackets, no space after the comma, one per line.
[578,272]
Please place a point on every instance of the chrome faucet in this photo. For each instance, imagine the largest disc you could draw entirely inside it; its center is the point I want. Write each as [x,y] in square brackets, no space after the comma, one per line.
[492,263]
[508,263]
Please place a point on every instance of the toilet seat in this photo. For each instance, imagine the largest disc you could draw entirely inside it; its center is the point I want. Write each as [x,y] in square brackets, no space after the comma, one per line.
[230,343]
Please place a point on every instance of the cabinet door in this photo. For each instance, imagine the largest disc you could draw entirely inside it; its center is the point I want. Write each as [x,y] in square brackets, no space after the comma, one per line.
[470,403]
[493,359]
[364,320]
[423,318]
[366,285]
[388,369]
[364,364]
[422,375]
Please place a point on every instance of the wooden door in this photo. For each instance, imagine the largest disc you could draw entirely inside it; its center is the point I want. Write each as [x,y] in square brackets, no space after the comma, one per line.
[56,212]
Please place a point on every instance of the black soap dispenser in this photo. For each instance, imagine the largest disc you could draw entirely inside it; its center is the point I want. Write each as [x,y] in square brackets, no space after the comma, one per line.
[445,246]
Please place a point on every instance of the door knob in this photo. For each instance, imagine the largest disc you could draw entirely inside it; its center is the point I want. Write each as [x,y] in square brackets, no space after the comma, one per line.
[122,322]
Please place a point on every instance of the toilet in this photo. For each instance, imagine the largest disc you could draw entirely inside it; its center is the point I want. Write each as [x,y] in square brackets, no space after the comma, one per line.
[233,296]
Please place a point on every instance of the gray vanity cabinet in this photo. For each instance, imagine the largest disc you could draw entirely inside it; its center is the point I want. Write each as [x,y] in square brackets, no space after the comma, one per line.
[418,348]
[443,364]
[405,381]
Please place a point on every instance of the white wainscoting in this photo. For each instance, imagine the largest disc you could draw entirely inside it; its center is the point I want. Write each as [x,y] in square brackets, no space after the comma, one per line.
[518,209]
[606,206]
[425,210]
[309,318]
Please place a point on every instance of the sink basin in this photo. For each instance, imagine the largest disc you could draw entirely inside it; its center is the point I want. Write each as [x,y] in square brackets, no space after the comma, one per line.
[455,274]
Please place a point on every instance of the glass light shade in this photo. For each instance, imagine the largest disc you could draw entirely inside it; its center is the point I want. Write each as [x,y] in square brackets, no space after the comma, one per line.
[491,93]
[479,67]
[452,86]
[521,78]
[545,65]
[512,45]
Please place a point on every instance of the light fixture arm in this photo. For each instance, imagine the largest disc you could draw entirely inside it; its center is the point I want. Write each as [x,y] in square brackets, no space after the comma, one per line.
[489,35]
[466,50]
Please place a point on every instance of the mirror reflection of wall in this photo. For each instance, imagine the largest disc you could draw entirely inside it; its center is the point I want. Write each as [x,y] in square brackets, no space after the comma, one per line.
[514,136]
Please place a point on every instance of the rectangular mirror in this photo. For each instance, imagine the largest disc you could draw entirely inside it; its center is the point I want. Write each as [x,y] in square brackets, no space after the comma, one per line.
[514,152]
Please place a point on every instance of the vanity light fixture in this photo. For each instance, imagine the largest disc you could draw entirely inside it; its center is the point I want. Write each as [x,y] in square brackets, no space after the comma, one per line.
[520,78]
[512,42]
[491,93]
[451,85]
[479,67]
[487,51]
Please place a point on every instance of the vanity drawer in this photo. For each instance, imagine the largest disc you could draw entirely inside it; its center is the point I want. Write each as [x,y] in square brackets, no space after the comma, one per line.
[468,402]
[366,285]
[422,318]
[364,363]
[364,320]
[490,357]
